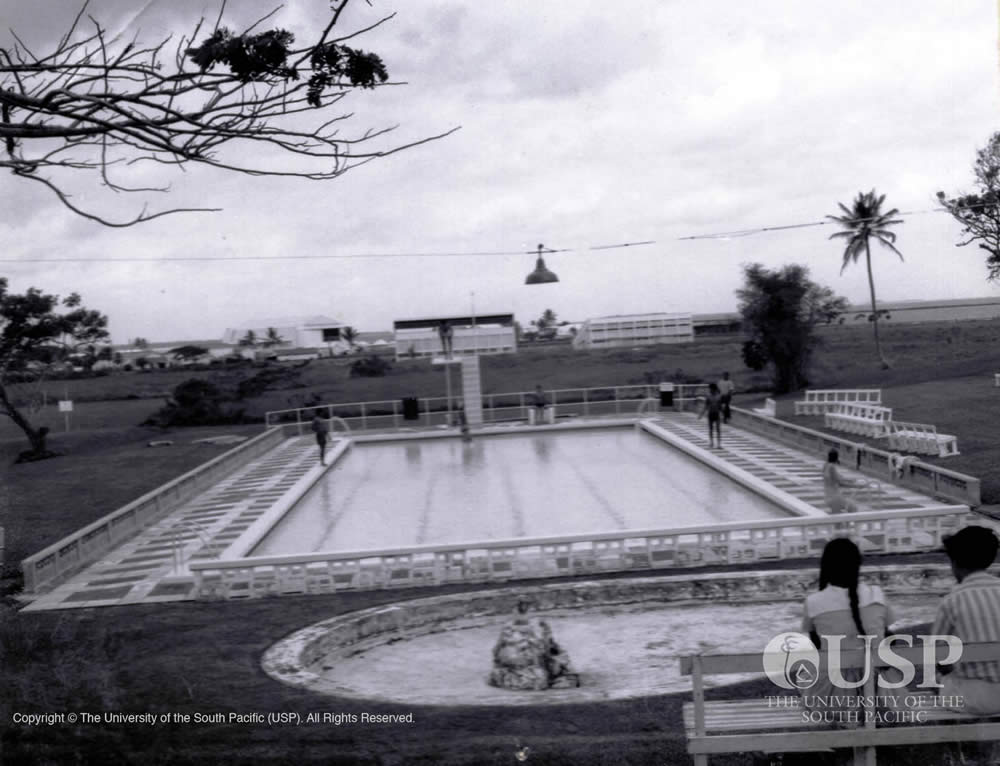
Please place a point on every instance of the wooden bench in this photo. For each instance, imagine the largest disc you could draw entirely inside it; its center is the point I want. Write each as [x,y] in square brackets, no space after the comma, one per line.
[920,438]
[862,419]
[820,401]
[775,723]
[770,409]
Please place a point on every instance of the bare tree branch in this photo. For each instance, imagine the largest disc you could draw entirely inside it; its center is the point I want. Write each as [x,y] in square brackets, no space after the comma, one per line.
[96,101]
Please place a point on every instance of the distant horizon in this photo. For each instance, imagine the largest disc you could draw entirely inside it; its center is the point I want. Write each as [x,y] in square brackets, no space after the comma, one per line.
[852,308]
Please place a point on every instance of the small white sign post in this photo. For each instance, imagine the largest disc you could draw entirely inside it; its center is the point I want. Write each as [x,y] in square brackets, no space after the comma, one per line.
[66,407]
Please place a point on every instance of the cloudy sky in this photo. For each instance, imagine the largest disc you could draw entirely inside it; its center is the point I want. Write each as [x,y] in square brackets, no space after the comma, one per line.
[583,123]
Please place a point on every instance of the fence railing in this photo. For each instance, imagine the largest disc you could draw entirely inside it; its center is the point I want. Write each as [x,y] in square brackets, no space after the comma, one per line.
[497,408]
[625,551]
[90,542]
[922,477]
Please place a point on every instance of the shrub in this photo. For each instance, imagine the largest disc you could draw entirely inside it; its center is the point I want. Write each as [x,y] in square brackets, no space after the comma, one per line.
[196,402]
[269,377]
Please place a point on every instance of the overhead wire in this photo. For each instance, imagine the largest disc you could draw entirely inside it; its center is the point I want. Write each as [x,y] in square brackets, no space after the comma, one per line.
[722,235]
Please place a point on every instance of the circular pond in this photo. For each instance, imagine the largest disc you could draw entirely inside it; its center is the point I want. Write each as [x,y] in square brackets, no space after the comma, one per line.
[624,638]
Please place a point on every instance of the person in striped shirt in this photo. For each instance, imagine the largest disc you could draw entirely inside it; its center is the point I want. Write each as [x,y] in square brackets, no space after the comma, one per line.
[971,611]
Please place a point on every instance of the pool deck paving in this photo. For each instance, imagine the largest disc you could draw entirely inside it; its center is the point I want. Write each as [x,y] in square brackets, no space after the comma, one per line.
[152,566]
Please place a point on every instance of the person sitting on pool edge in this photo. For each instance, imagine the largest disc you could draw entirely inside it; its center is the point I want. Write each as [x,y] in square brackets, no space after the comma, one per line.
[832,482]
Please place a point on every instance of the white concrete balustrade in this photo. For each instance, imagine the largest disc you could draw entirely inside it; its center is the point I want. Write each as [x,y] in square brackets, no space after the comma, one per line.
[627,551]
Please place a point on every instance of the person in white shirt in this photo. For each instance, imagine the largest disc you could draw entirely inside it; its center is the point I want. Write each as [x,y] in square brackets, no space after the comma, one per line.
[726,390]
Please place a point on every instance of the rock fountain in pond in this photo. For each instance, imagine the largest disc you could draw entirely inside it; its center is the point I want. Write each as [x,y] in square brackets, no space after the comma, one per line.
[527,658]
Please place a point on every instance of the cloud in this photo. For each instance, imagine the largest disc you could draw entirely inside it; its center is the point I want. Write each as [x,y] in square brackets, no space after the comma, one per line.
[582,124]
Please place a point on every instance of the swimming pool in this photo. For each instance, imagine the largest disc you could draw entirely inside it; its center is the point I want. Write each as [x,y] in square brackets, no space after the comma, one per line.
[434,491]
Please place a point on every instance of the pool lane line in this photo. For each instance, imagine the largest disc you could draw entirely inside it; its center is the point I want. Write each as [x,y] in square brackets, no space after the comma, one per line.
[515,504]
[603,503]
[343,507]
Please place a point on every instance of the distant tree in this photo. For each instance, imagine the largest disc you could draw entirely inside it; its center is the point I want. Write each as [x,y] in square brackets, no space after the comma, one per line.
[36,329]
[979,211]
[781,310]
[140,343]
[96,103]
[862,222]
[547,319]
[371,366]
[87,358]
[196,402]
[349,334]
[186,353]
[249,340]
[273,338]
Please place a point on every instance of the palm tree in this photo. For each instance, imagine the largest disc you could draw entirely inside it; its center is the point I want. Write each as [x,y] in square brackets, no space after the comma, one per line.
[863,221]
[248,340]
[349,334]
[273,338]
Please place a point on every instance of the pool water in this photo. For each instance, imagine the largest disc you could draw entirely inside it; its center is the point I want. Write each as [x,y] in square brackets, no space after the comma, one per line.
[433,491]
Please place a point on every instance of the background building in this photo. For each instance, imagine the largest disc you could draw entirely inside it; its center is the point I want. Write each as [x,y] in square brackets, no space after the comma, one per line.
[634,330]
[314,332]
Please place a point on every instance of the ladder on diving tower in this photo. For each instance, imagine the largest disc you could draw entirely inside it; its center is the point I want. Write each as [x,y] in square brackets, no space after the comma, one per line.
[472,390]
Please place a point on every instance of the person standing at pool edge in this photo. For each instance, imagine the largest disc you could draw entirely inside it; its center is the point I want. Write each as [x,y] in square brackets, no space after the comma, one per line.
[322,431]
[463,422]
[713,406]
[726,390]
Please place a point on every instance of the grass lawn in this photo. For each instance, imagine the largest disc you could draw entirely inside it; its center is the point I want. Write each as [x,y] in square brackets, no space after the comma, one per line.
[968,407]
[196,657]
[42,502]
[204,657]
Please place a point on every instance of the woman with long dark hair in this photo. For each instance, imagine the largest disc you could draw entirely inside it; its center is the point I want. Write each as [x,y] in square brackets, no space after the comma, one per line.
[847,608]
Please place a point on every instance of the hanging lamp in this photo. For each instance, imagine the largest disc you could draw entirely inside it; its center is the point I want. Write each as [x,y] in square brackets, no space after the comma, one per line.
[541,275]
